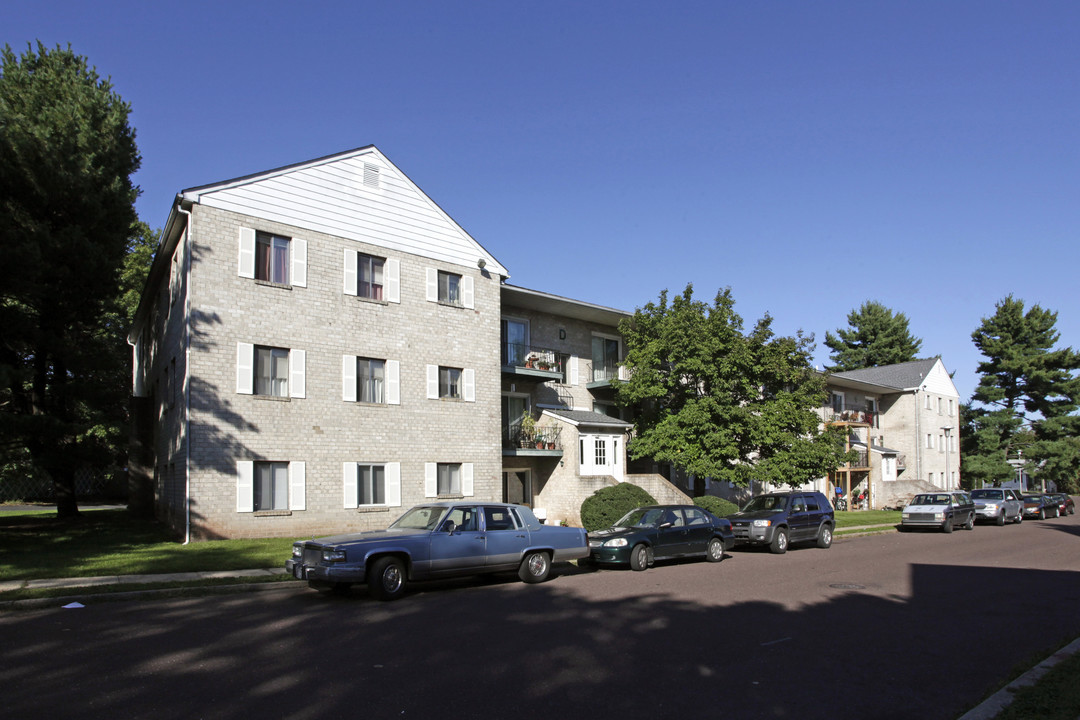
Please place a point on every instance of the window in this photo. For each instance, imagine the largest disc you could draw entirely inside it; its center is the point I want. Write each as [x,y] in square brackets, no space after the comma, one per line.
[449,288]
[514,409]
[449,479]
[272,371]
[952,407]
[369,276]
[270,486]
[940,406]
[450,383]
[272,258]
[929,403]
[605,355]
[499,518]
[370,380]
[515,337]
[372,484]
[929,441]
[941,443]
[442,479]
[838,402]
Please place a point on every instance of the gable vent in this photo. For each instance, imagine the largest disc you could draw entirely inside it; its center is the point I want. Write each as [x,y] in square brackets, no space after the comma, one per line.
[371,175]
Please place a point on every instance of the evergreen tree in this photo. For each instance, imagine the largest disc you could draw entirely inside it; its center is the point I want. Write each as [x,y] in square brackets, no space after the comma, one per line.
[67,155]
[718,403]
[875,336]
[1027,396]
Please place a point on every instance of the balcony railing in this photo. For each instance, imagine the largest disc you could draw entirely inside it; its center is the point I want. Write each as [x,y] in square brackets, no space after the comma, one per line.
[851,416]
[862,461]
[528,357]
[604,374]
[545,438]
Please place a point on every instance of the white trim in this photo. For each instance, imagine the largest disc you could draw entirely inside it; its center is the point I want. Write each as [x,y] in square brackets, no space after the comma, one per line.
[297,485]
[467,479]
[433,382]
[349,279]
[348,378]
[432,285]
[297,373]
[468,382]
[431,480]
[468,295]
[247,253]
[245,368]
[392,279]
[349,480]
[574,377]
[245,486]
[298,271]
[392,476]
[393,382]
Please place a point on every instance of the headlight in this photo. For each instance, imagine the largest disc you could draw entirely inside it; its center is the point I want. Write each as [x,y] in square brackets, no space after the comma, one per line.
[297,551]
[991,506]
[905,516]
[617,542]
[939,516]
[333,555]
[762,523]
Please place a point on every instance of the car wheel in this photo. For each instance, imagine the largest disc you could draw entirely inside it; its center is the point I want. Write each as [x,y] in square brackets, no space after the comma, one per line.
[386,579]
[1042,513]
[824,536]
[779,543]
[639,557]
[947,525]
[970,524]
[1019,517]
[715,551]
[535,567]
[1001,518]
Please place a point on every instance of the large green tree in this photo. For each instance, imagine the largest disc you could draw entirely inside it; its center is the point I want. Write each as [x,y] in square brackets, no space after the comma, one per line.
[67,154]
[1026,400]
[875,336]
[716,402]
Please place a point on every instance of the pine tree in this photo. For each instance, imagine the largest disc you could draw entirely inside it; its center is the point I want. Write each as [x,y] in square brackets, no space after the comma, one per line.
[876,336]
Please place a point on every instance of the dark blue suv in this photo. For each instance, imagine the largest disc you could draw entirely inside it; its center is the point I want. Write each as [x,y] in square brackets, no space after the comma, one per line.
[779,519]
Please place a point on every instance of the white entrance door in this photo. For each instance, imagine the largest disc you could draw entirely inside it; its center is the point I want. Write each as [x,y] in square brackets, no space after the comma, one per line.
[601,455]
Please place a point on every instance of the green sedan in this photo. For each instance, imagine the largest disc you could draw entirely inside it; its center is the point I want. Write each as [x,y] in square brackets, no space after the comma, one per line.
[660,532]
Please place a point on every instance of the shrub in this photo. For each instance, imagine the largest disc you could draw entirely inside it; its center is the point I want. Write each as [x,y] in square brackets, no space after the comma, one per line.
[601,509]
[717,506]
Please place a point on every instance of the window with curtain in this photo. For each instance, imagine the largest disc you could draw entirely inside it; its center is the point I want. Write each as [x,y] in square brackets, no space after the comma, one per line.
[371,485]
[271,486]
[271,371]
[272,258]
[369,270]
[450,288]
[450,382]
[370,380]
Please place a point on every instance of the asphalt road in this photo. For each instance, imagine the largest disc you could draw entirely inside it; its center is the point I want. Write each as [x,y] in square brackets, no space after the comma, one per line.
[892,626]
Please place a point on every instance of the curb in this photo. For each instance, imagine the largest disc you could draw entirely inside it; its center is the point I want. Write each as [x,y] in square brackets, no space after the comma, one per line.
[993,705]
[194,590]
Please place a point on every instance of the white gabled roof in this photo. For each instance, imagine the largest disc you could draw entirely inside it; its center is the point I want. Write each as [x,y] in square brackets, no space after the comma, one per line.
[357,194]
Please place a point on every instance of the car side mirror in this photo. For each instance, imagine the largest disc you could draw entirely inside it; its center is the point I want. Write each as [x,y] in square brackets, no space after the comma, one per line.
[449,527]
[663,525]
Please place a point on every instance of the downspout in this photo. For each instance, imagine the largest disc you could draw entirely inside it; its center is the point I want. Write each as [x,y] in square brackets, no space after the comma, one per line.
[918,438]
[187,371]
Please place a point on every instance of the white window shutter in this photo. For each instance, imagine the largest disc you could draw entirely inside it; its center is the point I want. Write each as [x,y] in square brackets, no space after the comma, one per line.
[574,370]
[432,285]
[348,378]
[297,486]
[245,486]
[247,252]
[392,276]
[393,382]
[431,480]
[468,379]
[467,295]
[433,382]
[245,368]
[298,271]
[350,272]
[349,481]
[298,373]
[467,479]
[393,484]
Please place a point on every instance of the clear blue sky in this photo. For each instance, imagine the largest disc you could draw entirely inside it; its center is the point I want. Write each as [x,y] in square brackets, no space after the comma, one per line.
[810,155]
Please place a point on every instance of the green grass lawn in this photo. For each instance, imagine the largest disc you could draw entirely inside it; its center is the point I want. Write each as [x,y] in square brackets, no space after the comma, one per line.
[112,542]
[855,518]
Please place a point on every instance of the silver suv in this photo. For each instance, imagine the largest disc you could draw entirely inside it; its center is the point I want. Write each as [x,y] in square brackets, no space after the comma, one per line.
[999,505]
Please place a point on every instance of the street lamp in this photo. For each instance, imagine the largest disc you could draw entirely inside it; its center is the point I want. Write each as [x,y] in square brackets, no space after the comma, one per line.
[948,444]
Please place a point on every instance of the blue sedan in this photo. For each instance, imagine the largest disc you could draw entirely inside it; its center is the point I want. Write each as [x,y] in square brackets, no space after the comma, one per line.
[440,540]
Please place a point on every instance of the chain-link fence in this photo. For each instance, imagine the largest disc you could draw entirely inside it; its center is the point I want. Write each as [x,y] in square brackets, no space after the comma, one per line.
[89,483]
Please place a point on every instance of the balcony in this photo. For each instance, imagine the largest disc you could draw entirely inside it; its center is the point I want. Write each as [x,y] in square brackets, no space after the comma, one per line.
[601,376]
[862,462]
[544,442]
[851,417]
[543,364]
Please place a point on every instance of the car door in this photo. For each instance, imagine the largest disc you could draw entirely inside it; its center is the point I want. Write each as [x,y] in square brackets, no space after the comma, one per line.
[814,514]
[505,538]
[1014,504]
[462,549]
[798,518]
[670,534]
[699,531]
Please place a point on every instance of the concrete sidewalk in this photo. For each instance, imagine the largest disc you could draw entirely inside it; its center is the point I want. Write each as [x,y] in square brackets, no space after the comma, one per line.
[7,586]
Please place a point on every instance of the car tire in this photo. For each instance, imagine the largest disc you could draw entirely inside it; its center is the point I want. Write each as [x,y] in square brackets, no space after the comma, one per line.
[946,526]
[714,552]
[386,579]
[970,524]
[639,557]
[1001,518]
[824,536]
[1042,513]
[535,567]
[1019,517]
[779,543]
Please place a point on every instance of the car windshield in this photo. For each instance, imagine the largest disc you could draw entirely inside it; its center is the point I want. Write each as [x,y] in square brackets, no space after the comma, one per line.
[930,499]
[425,517]
[765,502]
[985,494]
[641,517]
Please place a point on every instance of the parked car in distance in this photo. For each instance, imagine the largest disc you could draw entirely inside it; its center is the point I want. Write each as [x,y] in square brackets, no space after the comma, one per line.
[438,540]
[1066,506]
[999,505]
[1037,505]
[661,532]
[779,519]
[940,510]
